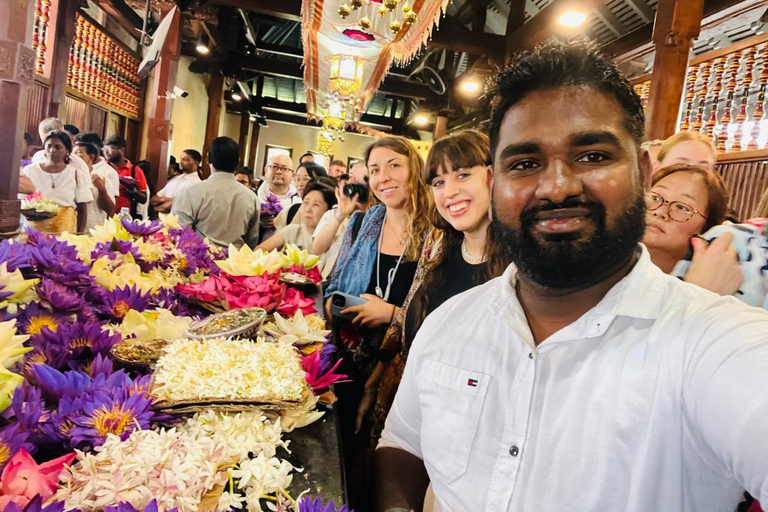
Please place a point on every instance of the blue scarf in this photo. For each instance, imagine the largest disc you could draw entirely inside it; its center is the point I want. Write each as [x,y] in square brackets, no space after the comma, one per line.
[357,258]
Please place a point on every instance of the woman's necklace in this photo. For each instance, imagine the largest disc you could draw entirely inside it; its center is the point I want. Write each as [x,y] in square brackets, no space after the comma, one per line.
[53,175]
[468,256]
[384,294]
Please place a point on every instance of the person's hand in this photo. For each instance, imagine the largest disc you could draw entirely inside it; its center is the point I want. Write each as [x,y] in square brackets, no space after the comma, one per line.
[26,186]
[346,205]
[373,313]
[366,404]
[98,182]
[267,221]
[715,268]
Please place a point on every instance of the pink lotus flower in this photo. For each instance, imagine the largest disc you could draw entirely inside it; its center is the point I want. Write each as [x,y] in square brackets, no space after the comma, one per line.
[311,366]
[23,478]
[293,301]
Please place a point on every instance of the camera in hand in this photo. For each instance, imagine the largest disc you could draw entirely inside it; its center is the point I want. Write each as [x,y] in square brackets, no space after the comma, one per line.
[362,191]
[338,300]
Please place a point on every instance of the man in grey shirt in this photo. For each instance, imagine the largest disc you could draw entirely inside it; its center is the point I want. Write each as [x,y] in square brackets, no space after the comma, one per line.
[220,208]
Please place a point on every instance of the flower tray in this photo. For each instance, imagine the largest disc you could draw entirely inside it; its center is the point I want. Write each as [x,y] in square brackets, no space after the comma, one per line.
[35,215]
[192,406]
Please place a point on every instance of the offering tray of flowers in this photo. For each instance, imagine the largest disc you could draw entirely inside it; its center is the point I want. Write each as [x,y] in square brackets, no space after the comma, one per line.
[229,374]
[299,281]
[35,207]
[242,323]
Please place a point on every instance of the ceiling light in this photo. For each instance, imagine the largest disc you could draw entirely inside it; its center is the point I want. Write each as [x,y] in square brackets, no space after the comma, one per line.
[469,86]
[202,49]
[236,96]
[572,18]
[421,119]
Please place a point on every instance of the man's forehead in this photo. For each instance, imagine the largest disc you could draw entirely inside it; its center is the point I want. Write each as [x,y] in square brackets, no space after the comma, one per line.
[555,115]
[282,159]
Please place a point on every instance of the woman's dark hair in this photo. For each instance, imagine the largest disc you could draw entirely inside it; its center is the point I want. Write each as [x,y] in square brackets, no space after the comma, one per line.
[314,170]
[717,196]
[89,148]
[461,150]
[329,193]
[560,64]
[90,138]
[64,138]
[224,154]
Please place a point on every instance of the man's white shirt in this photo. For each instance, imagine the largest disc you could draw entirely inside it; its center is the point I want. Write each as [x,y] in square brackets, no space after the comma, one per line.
[181,182]
[97,216]
[655,400]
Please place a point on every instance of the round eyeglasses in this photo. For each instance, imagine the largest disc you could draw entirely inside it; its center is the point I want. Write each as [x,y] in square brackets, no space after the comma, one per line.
[678,211]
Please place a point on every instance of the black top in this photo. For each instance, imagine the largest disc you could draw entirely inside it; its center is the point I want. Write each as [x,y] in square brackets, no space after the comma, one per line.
[402,282]
[462,277]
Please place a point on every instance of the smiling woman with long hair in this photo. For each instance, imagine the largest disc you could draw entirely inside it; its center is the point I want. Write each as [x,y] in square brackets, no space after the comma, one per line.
[63,184]
[459,253]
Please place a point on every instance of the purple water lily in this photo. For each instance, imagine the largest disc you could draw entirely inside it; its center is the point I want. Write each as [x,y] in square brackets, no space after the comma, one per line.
[138,228]
[307,504]
[127,507]
[196,252]
[111,249]
[271,206]
[27,410]
[11,439]
[15,255]
[325,356]
[35,317]
[36,505]
[117,303]
[72,346]
[58,297]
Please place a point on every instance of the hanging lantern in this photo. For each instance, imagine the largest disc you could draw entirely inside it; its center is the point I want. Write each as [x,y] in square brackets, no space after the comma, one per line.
[325,142]
[365,23]
[390,5]
[410,17]
[394,26]
[355,4]
[344,11]
[346,77]
[334,118]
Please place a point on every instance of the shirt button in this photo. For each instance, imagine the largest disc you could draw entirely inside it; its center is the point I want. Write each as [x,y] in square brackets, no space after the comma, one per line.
[514,450]
[530,355]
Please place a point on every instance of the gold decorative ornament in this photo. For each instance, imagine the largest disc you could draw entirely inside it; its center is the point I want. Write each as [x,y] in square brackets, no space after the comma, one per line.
[410,17]
[382,11]
[355,4]
[390,5]
[344,11]
[406,7]
[364,23]
[394,26]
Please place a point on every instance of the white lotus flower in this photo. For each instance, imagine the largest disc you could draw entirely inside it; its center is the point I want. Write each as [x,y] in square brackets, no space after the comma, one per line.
[296,330]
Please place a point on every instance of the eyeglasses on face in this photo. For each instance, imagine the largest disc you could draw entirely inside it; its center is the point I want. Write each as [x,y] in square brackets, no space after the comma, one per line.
[281,168]
[678,211]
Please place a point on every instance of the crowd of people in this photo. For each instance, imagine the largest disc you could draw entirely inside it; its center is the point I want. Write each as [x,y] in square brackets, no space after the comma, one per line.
[540,318]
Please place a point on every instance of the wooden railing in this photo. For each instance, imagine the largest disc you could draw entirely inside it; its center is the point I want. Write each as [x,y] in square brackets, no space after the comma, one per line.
[746,178]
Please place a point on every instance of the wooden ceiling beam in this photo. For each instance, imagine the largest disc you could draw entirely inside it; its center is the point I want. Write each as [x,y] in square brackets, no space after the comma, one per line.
[285,9]
[123,15]
[453,35]
[236,63]
[642,9]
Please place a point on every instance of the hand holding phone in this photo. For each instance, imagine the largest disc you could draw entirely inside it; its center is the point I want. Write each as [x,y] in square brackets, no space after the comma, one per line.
[341,301]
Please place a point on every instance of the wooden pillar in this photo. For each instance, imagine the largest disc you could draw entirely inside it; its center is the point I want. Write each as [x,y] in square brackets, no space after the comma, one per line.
[254,148]
[242,141]
[62,42]
[17,71]
[215,97]
[441,125]
[160,107]
[677,23]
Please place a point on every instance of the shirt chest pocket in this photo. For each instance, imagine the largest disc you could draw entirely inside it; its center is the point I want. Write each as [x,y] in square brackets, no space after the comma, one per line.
[451,401]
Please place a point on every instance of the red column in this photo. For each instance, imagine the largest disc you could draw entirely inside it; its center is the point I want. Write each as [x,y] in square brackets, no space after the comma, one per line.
[17,71]
[159,107]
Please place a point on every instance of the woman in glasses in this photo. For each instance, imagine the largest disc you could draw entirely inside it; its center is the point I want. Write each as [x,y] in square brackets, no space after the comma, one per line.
[685,201]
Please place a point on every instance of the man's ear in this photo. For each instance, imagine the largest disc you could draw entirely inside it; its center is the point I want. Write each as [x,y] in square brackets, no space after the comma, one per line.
[646,168]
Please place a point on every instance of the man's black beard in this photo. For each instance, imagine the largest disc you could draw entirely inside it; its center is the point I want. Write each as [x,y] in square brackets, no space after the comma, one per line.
[564,262]
[115,159]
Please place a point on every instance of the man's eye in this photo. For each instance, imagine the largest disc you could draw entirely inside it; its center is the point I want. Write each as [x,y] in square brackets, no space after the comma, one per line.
[593,158]
[524,165]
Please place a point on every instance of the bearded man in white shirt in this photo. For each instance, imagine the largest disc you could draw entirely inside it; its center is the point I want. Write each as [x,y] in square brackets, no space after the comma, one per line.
[583,379]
